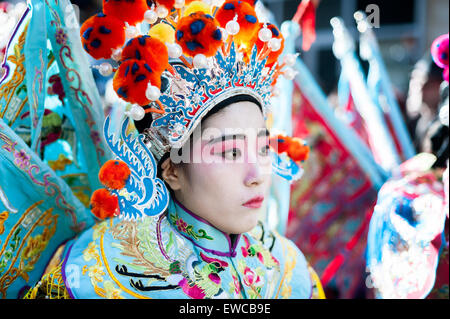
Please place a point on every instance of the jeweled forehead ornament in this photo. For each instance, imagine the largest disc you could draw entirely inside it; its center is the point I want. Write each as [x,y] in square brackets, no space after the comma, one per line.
[194,55]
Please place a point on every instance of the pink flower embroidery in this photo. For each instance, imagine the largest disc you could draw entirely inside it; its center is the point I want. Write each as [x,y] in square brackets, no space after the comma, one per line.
[95,137]
[56,87]
[237,285]
[250,278]
[214,278]
[61,37]
[246,247]
[192,291]
[181,225]
[22,159]
[260,257]
[244,252]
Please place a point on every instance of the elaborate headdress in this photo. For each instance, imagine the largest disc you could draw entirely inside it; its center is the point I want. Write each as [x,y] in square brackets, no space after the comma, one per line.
[193,55]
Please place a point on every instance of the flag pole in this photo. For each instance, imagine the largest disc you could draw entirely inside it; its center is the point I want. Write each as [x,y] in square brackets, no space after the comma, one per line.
[381,84]
[381,140]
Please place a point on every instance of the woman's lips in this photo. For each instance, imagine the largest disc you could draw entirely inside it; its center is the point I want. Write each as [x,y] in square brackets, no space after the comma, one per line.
[255,202]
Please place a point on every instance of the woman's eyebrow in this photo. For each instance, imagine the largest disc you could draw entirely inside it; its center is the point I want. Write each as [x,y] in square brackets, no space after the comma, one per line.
[226,137]
[263,132]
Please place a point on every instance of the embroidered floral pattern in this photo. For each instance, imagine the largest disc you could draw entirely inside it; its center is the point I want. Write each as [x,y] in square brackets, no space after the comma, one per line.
[290,258]
[185,228]
[56,87]
[3,217]
[181,225]
[252,279]
[147,259]
[21,244]
[96,272]
[175,267]
[60,164]
[257,250]
[61,36]
[235,285]
[22,159]
[207,277]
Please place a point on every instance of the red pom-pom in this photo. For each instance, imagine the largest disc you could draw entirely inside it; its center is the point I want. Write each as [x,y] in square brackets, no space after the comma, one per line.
[279,143]
[101,34]
[114,174]
[295,148]
[247,19]
[199,33]
[104,204]
[167,3]
[298,151]
[251,2]
[148,49]
[131,81]
[273,56]
[131,11]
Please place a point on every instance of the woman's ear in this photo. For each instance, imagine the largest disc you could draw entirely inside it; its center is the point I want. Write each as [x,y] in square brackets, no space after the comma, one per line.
[171,174]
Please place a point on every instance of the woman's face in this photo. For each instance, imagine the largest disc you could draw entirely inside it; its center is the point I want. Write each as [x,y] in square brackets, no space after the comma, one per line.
[228,177]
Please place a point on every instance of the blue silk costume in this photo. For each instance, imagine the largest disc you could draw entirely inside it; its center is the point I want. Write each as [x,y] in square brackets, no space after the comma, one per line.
[186,257]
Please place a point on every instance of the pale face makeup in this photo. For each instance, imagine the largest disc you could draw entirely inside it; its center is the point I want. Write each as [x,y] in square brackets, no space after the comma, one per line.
[229,185]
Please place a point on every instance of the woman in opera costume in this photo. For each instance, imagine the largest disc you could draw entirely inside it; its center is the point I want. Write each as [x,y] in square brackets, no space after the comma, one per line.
[179,215]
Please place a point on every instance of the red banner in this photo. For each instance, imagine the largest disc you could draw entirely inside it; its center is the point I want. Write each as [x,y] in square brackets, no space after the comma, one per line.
[330,206]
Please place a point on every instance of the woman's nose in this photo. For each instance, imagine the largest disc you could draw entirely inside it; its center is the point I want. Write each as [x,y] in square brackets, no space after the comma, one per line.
[254,175]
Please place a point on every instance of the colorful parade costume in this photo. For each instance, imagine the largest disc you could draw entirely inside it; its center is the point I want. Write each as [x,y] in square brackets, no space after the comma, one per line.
[186,257]
[407,246]
[149,245]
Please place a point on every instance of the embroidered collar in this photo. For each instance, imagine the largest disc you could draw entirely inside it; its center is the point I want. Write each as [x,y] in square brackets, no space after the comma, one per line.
[200,232]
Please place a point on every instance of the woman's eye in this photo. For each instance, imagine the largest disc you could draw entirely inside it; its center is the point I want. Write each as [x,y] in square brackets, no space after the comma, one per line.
[264,150]
[232,154]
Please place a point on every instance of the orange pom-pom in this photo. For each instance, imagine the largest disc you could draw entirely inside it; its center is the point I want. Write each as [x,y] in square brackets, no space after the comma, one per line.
[101,34]
[147,49]
[247,19]
[295,148]
[251,2]
[131,81]
[104,204]
[298,151]
[131,11]
[273,56]
[167,3]
[198,33]
[114,174]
